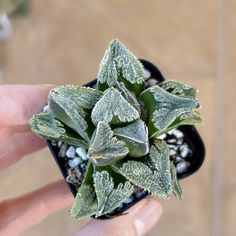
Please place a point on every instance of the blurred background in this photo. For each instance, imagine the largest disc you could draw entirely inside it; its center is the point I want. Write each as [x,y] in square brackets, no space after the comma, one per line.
[62,42]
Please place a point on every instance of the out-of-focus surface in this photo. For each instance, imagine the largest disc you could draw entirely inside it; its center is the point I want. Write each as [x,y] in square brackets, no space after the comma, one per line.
[63,41]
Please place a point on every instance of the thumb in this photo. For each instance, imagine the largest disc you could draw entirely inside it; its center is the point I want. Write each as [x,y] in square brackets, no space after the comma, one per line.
[139,220]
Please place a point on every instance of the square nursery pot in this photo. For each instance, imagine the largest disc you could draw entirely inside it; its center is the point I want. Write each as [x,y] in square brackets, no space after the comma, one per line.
[187,151]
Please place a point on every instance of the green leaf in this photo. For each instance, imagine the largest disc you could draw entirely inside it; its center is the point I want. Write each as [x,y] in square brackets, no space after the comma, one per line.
[176,186]
[178,88]
[154,176]
[135,136]
[164,108]
[113,108]
[68,104]
[118,62]
[105,148]
[129,96]
[85,203]
[46,126]
[108,197]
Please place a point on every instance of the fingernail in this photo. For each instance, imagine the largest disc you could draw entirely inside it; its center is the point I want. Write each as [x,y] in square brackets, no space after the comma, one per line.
[147,216]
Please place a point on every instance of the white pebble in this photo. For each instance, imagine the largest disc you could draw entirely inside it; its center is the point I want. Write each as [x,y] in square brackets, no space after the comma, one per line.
[184,150]
[181,167]
[59,143]
[179,141]
[178,133]
[74,162]
[152,82]
[178,158]
[172,152]
[147,74]
[70,152]
[171,140]
[82,153]
[128,200]
[163,136]
[173,147]
[139,194]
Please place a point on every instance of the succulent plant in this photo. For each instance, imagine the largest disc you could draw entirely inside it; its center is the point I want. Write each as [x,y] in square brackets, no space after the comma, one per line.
[120,124]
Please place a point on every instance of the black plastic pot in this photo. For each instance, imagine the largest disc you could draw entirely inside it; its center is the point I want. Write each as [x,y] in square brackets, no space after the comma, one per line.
[191,138]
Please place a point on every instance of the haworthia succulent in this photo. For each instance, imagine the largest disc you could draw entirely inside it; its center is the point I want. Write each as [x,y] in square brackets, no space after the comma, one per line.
[85,203]
[178,88]
[113,109]
[109,197]
[68,104]
[46,126]
[164,108]
[129,96]
[135,136]
[119,123]
[176,186]
[118,62]
[105,148]
[153,176]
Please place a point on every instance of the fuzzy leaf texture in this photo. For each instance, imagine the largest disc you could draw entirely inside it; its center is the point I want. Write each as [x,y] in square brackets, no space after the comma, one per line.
[135,136]
[119,63]
[154,175]
[164,108]
[178,88]
[109,197]
[105,148]
[46,126]
[129,96]
[85,203]
[113,109]
[176,186]
[68,104]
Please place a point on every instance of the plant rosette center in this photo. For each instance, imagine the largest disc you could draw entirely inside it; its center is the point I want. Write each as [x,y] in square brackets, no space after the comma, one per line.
[115,133]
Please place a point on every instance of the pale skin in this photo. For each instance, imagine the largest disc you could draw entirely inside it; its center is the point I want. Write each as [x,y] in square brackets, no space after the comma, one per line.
[17,104]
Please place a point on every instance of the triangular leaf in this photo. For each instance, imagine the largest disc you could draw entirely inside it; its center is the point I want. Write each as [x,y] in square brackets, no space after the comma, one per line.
[119,62]
[187,118]
[178,88]
[176,186]
[108,197]
[85,203]
[129,96]
[113,108]
[46,126]
[135,136]
[154,176]
[105,147]
[68,104]
[164,108]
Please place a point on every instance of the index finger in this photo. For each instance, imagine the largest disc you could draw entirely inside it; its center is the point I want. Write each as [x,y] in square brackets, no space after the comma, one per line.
[19,102]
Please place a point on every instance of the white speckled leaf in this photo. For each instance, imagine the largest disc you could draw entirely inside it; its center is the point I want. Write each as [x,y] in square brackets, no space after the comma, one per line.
[85,203]
[135,136]
[167,107]
[155,175]
[119,61]
[108,197]
[105,147]
[46,126]
[176,186]
[178,88]
[113,108]
[129,96]
[68,104]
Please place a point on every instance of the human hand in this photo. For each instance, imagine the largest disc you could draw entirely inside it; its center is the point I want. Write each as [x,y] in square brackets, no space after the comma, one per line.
[17,104]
